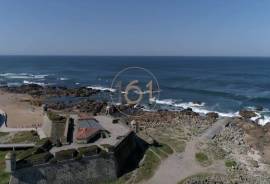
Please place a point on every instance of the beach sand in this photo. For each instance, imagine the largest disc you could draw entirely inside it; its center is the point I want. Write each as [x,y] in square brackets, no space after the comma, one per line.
[20,113]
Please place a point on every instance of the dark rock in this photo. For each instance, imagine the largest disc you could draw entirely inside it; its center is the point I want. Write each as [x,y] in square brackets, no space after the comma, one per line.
[197,102]
[212,115]
[247,114]
[258,108]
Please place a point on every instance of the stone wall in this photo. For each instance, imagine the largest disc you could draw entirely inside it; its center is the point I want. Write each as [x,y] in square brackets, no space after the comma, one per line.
[94,169]
[53,130]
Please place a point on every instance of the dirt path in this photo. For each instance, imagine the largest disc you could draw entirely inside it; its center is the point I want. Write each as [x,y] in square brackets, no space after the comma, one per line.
[20,113]
[179,166]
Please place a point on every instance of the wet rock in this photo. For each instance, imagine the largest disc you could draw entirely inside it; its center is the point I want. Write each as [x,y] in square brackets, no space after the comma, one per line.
[258,108]
[247,114]
[197,102]
[189,111]
[38,91]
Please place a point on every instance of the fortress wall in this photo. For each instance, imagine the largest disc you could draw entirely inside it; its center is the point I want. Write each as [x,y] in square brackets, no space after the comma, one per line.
[124,150]
[53,130]
[93,169]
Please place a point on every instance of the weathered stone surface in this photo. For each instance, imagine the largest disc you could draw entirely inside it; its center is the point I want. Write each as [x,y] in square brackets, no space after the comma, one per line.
[247,113]
[212,115]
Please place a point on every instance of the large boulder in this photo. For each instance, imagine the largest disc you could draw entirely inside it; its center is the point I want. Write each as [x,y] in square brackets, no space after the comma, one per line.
[247,114]
[212,115]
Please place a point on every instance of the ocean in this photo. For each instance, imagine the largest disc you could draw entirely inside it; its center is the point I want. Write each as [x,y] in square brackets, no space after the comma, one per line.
[222,84]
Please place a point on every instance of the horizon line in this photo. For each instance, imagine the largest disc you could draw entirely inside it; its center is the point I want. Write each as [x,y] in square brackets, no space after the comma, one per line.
[85,55]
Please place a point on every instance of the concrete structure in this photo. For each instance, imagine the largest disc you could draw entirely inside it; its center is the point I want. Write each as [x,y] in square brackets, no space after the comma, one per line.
[10,160]
[98,168]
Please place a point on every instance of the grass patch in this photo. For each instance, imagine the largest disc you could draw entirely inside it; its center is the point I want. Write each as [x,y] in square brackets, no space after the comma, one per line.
[178,145]
[55,118]
[2,134]
[148,167]
[163,150]
[4,177]
[25,137]
[230,163]
[202,159]
[122,180]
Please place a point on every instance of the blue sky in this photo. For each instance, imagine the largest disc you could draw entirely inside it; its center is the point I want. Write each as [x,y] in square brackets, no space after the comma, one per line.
[138,27]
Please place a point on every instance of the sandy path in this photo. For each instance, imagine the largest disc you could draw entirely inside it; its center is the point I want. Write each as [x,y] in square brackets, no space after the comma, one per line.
[179,166]
[20,114]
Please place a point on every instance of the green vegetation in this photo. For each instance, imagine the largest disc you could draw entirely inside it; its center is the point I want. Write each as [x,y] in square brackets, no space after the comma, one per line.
[23,154]
[149,165]
[230,163]
[4,177]
[214,151]
[122,180]
[3,134]
[90,150]
[55,118]
[202,159]
[66,154]
[163,150]
[174,137]
[25,137]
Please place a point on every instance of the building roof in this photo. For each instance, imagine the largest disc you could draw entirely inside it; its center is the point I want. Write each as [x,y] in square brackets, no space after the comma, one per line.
[87,127]
[85,133]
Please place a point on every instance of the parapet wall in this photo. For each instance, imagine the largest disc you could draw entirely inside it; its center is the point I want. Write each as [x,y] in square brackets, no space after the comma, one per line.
[94,169]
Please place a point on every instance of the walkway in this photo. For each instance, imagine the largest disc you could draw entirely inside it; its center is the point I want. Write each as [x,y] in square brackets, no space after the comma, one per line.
[10,146]
[179,166]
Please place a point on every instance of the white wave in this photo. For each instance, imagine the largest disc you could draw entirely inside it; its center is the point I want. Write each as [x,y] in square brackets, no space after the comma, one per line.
[63,78]
[144,92]
[13,84]
[261,119]
[199,108]
[31,82]
[77,83]
[101,88]
[22,76]
[164,102]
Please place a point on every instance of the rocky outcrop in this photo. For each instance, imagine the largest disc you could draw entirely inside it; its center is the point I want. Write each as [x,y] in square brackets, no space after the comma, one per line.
[247,114]
[39,91]
[212,115]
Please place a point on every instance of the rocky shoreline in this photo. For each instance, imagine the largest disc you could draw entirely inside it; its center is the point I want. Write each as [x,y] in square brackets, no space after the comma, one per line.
[242,136]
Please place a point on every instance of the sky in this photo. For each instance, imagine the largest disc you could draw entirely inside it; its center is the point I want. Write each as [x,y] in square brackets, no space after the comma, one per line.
[138,27]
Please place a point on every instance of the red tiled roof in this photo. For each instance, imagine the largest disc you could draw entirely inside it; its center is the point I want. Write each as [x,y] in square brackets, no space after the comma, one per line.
[84,133]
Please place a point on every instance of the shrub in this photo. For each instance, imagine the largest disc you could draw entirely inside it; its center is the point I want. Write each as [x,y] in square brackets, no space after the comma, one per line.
[201,157]
[55,118]
[230,163]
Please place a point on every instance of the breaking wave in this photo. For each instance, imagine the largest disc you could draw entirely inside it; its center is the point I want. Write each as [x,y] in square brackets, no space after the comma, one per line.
[101,88]
[22,76]
[196,107]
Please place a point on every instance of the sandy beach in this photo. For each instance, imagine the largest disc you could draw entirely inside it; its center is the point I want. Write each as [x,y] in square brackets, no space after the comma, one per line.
[20,113]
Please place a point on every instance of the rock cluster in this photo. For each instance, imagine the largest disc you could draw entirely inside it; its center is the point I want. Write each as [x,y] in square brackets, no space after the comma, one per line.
[247,113]
[38,91]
